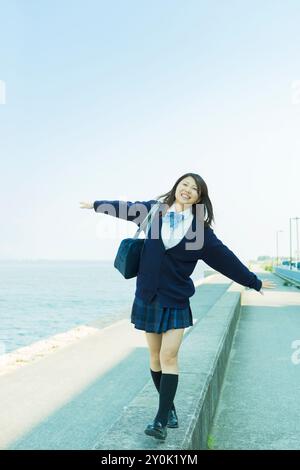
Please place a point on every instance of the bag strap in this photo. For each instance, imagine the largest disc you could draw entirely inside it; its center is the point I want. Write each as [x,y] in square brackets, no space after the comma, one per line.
[145,221]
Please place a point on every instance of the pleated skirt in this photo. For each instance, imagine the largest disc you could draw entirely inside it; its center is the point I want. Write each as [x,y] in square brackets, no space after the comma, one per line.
[154,318]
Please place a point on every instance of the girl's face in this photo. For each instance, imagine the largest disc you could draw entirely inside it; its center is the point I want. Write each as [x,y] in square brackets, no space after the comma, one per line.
[186,193]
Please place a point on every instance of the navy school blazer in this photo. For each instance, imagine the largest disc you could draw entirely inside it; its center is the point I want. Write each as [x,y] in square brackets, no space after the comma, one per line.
[166,272]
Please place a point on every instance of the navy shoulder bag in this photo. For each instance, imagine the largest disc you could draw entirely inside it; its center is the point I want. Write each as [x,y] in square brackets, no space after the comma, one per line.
[128,256]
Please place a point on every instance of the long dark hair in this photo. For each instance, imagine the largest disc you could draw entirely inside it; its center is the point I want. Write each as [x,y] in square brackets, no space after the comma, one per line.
[169,197]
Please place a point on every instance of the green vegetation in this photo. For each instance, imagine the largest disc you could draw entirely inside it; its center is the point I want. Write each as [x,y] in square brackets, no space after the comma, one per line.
[210,442]
[268,267]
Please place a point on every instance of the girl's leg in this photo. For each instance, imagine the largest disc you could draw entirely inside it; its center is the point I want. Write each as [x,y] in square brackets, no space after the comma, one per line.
[154,341]
[171,341]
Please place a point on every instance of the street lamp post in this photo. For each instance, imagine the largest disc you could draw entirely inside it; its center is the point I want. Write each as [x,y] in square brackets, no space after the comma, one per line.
[277,231]
[297,238]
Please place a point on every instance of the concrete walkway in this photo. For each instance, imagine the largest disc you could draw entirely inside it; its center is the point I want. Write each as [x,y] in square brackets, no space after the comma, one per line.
[259,403]
[70,397]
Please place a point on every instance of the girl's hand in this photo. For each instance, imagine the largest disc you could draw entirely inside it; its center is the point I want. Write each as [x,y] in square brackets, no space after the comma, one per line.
[86,205]
[267,285]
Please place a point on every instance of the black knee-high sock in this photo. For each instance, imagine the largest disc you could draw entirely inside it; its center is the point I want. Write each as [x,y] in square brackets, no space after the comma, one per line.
[156,376]
[167,392]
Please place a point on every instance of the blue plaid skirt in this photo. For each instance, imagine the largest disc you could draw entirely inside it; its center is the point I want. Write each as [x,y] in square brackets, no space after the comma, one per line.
[154,318]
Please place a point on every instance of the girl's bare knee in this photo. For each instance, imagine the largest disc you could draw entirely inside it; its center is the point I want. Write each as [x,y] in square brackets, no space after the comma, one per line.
[168,359]
[155,356]
[155,361]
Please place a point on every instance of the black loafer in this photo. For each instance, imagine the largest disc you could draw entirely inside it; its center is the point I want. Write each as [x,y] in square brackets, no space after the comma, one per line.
[157,430]
[172,419]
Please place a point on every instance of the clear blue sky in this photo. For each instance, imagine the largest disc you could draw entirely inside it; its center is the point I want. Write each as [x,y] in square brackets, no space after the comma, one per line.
[117,99]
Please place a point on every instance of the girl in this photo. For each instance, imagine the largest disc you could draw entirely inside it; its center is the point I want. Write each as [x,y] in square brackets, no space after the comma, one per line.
[161,305]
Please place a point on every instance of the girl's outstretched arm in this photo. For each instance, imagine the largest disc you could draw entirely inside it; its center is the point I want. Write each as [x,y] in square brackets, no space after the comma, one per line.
[132,211]
[222,259]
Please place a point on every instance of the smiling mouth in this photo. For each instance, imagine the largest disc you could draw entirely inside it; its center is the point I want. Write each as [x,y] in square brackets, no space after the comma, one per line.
[184,196]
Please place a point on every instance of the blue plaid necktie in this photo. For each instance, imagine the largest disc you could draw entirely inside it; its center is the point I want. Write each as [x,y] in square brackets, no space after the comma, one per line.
[174,218]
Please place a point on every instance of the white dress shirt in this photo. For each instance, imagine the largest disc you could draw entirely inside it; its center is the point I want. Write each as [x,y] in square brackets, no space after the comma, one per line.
[172,237]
